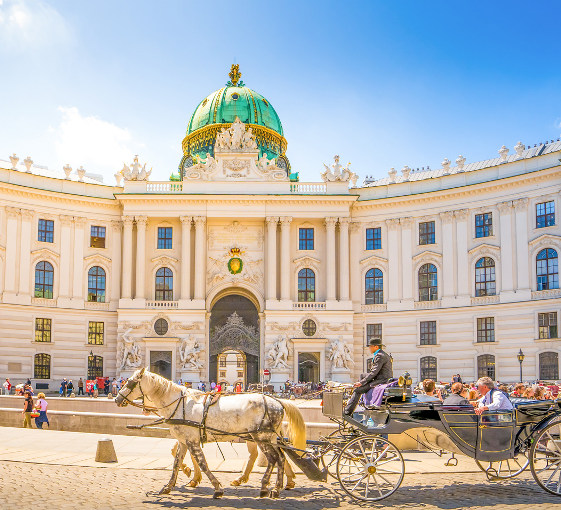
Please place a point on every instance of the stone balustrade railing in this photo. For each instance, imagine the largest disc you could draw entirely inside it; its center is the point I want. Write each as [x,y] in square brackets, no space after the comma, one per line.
[162,304]
[308,305]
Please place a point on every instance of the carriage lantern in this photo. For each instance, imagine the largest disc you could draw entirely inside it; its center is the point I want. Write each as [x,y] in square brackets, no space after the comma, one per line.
[520,357]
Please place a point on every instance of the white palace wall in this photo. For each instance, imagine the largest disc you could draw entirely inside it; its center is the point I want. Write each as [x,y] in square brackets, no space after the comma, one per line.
[266,227]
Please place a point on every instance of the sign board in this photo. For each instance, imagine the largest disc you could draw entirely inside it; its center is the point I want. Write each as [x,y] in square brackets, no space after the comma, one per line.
[266,373]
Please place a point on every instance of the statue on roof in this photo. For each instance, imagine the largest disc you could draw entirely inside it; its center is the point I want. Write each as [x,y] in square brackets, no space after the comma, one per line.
[337,172]
[235,138]
[235,76]
[135,172]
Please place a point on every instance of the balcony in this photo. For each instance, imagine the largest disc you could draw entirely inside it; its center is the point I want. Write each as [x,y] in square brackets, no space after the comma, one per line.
[162,304]
[308,305]
[424,305]
[485,300]
[546,294]
[382,307]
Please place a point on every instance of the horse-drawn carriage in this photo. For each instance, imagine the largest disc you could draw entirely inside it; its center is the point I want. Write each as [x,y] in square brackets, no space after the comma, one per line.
[369,467]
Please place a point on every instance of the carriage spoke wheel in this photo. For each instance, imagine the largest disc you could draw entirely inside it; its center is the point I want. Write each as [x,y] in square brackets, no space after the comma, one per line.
[370,468]
[504,469]
[545,458]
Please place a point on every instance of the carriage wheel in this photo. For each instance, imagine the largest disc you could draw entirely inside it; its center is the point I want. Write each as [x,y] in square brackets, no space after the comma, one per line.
[504,469]
[370,468]
[545,458]
[329,460]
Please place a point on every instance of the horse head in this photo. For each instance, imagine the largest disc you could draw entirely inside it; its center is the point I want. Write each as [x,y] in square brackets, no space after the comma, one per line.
[131,390]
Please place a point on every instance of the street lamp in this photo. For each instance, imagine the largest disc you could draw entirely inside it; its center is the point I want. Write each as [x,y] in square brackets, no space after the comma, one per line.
[520,357]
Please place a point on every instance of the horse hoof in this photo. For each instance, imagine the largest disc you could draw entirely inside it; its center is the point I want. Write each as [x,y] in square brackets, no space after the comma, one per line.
[218,494]
[165,490]
[235,483]
[264,493]
[187,471]
[193,484]
[275,493]
[290,485]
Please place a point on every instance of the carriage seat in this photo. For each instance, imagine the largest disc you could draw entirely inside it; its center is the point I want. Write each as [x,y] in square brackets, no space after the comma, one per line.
[383,393]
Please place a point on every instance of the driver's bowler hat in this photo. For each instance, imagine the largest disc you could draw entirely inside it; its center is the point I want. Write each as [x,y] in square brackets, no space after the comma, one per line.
[376,342]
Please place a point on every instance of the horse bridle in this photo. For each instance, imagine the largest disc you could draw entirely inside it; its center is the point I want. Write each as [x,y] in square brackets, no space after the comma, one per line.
[131,385]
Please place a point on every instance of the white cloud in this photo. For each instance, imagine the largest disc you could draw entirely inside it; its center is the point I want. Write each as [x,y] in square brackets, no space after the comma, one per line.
[99,146]
[31,24]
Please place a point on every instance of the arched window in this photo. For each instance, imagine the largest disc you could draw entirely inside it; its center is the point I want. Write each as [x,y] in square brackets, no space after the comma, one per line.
[428,368]
[95,367]
[549,366]
[486,366]
[44,277]
[96,284]
[164,284]
[428,283]
[42,366]
[485,277]
[306,285]
[547,270]
[374,287]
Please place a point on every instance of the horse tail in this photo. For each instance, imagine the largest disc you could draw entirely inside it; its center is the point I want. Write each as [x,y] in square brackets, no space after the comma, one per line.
[296,425]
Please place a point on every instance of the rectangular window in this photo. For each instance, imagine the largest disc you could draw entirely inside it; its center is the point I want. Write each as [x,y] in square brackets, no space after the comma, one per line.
[547,324]
[486,329]
[223,362]
[484,225]
[306,239]
[426,232]
[95,333]
[43,329]
[374,238]
[46,231]
[545,214]
[165,238]
[97,237]
[428,333]
[373,331]
[42,367]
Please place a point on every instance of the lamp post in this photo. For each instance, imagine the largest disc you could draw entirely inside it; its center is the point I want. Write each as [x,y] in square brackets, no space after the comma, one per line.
[520,357]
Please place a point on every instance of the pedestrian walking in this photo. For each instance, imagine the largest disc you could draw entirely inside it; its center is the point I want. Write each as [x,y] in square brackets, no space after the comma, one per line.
[7,386]
[27,409]
[80,387]
[107,383]
[114,387]
[41,406]
[63,386]
[69,388]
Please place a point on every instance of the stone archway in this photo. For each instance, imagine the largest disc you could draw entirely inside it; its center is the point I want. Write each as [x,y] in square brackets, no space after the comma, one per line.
[234,325]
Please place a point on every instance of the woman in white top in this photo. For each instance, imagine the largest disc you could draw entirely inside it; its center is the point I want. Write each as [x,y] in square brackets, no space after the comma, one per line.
[41,406]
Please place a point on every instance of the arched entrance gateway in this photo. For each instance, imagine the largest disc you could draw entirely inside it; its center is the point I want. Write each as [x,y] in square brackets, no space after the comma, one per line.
[234,341]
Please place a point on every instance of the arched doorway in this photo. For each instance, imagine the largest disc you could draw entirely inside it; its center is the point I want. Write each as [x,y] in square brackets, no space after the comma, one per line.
[234,337]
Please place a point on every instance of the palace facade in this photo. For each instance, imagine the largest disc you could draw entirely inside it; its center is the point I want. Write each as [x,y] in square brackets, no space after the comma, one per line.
[234,265]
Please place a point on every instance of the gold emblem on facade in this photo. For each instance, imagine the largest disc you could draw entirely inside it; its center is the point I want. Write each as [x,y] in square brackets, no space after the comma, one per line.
[235,264]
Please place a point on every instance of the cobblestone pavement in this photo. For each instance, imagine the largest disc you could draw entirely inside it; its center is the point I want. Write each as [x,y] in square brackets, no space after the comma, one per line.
[50,487]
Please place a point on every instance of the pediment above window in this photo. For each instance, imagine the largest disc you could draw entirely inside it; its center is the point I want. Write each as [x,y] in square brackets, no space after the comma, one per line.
[164,260]
[100,259]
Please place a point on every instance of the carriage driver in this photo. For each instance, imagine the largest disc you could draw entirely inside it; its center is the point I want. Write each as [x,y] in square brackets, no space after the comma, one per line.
[492,399]
[380,372]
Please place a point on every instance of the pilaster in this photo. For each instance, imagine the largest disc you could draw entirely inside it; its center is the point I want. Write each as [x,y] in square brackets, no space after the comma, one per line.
[186,222]
[330,266]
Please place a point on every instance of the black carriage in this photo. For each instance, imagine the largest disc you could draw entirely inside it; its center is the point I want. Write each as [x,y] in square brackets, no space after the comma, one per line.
[369,467]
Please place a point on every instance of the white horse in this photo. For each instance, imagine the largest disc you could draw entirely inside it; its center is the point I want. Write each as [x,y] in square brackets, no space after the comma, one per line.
[254,416]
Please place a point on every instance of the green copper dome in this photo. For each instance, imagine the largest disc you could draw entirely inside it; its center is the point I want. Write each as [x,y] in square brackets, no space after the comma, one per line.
[224,105]
[220,109]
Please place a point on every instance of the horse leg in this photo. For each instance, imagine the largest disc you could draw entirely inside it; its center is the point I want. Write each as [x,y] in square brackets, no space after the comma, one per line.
[197,475]
[275,493]
[269,452]
[290,476]
[199,457]
[179,456]
[184,467]
[252,449]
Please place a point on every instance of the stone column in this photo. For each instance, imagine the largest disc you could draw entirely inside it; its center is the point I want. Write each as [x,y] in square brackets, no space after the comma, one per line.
[285,259]
[139,284]
[330,267]
[393,263]
[344,259]
[447,220]
[10,266]
[407,262]
[354,269]
[463,273]
[522,257]
[25,253]
[507,248]
[65,257]
[127,257]
[115,260]
[78,276]
[200,257]
[272,222]
[186,257]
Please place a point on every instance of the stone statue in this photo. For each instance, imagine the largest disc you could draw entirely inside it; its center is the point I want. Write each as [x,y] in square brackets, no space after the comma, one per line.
[202,170]
[340,354]
[135,172]
[235,138]
[337,172]
[189,353]
[277,357]
[131,357]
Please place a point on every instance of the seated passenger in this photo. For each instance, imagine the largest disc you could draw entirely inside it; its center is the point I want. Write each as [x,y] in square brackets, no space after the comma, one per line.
[492,399]
[458,397]
[430,389]
[380,372]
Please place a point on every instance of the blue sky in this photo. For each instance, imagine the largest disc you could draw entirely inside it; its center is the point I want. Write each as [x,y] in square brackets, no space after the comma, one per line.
[383,84]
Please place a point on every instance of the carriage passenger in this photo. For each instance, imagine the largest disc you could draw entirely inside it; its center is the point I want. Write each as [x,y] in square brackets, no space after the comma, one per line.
[458,397]
[492,399]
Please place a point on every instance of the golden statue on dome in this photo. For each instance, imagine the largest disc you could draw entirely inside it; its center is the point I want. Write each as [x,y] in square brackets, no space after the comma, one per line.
[235,75]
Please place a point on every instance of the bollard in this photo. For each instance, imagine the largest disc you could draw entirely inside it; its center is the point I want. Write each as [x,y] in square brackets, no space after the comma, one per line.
[105,451]
[110,397]
[73,395]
